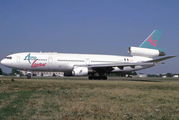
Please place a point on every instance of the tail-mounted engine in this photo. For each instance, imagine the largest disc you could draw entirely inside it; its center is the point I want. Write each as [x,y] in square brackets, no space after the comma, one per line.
[145,52]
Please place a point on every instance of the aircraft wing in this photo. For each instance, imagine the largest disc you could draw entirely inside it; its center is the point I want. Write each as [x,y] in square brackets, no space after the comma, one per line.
[109,67]
[160,59]
[114,65]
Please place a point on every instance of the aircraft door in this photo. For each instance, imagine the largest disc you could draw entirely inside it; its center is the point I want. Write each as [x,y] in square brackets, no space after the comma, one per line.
[50,60]
[87,61]
[18,59]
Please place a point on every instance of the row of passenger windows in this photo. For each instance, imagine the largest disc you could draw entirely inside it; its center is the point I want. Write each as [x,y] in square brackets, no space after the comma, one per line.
[68,60]
[72,60]
[42,59]
[84,61]
[47,73]
[103,61]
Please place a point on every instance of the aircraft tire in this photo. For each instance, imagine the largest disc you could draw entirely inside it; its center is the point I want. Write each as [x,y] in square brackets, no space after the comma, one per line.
[28,77]
[99,77]
[95,77]
[104,77]
[90,77]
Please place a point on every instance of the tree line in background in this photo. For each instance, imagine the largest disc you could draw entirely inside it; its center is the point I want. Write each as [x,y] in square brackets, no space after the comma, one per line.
[1,73]
[132,73]
[13,72]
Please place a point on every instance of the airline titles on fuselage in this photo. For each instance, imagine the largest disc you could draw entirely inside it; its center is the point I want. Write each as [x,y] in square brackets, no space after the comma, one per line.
[34,64]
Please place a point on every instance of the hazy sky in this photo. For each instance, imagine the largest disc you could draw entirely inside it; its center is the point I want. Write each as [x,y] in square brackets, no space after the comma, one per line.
[88,26]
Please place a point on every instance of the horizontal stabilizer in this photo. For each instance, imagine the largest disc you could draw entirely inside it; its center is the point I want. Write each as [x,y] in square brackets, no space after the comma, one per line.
[161,59]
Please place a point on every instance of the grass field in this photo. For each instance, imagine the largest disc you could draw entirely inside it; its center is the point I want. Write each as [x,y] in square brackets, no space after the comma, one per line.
[79,98]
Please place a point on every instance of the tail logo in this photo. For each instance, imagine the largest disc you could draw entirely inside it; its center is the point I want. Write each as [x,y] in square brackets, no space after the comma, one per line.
[152,42]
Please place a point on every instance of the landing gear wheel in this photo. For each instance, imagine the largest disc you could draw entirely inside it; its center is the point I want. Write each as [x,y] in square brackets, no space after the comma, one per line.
[104,77]
[90,77]
[28,77]
[95,77]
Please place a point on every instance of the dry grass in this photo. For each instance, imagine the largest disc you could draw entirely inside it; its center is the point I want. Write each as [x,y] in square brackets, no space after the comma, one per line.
[79,98]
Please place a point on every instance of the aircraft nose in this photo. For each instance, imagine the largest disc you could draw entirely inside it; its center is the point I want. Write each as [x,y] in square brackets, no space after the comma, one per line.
[3,61]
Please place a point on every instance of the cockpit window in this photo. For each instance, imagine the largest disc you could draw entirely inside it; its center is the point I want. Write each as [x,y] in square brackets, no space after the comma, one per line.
[8,57]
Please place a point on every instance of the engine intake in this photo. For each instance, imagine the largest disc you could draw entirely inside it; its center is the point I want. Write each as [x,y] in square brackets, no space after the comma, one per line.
[145,52]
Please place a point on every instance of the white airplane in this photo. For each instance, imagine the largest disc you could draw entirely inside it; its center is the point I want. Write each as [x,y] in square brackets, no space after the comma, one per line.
[90,64]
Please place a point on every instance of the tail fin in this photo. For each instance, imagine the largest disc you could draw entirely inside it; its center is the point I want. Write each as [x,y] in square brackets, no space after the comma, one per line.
[152,40]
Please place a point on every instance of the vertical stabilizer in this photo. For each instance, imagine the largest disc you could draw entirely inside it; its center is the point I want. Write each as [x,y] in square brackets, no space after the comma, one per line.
[152,40]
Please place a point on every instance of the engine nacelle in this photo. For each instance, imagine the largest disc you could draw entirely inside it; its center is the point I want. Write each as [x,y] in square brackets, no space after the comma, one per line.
[80,71]
[145,52]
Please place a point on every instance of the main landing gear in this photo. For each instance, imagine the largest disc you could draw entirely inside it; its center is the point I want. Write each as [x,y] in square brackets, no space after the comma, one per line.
[97,77]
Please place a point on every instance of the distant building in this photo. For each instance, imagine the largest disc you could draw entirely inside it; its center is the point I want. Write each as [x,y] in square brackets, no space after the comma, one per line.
[164,76]
[34,73]
[141,75]
[175,76]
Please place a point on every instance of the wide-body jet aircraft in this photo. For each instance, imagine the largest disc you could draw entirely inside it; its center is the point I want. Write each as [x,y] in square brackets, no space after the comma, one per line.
[90,64]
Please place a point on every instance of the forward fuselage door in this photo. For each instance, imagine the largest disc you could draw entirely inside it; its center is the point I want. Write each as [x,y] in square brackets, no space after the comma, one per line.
[18,59]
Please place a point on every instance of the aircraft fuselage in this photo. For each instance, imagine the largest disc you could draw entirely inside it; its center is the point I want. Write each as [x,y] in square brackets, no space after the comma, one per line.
[34,61]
